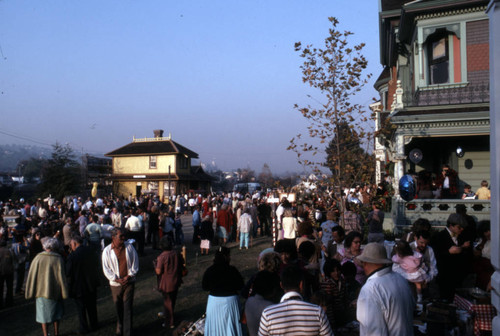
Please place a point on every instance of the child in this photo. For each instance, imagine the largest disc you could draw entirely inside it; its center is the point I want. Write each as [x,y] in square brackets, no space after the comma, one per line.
[468,193]
[409,264]
[335,288]
[483,193]
[206,234]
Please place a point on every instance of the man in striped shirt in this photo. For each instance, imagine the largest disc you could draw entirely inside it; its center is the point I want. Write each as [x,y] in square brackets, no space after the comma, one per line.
[293,316]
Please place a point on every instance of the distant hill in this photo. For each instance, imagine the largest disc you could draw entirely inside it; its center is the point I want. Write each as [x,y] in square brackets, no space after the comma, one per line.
[10,155]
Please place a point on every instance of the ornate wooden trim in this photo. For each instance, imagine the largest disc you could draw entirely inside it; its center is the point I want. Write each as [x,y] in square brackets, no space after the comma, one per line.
[450,13]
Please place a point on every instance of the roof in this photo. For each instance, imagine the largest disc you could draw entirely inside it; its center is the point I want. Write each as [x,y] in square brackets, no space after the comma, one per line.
[154,147]
[468,109]
[433,5]
[403,12]
[387,5]
[385,76]
[200,173]
[412,9]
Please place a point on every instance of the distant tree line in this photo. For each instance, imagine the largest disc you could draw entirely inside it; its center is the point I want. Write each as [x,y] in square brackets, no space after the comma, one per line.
[59,175]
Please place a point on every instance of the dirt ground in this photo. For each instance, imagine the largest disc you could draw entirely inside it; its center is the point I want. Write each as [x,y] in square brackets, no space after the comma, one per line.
[191,301]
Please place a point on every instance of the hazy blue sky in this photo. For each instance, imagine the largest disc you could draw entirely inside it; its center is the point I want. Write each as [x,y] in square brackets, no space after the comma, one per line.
[220,76]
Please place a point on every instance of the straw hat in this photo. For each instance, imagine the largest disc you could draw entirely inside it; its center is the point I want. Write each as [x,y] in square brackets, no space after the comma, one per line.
[374,253]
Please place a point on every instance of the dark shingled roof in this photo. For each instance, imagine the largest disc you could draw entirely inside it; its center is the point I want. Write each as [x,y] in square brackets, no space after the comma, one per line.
[200,173]
[392,4]
[384,77]
[152,148]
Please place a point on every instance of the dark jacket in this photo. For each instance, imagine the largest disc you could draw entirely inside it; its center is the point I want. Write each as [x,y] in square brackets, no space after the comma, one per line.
[451,267]
[206,230]
[6,262]
[82,270]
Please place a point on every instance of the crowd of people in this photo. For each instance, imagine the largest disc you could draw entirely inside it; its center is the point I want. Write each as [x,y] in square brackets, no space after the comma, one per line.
[318,261]
[446,185]
[66,245]
[317,277]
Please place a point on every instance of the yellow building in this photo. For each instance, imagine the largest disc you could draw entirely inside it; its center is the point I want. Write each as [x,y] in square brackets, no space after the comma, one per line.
[157,166]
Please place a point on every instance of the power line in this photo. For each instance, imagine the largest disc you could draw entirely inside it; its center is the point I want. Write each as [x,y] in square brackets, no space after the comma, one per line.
[41,142]
[25,138]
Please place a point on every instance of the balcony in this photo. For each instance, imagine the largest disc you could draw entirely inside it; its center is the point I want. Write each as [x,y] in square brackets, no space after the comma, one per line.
[435,210]
[449,94]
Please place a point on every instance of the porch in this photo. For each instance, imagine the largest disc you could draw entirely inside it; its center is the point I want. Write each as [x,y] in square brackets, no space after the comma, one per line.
[404,214]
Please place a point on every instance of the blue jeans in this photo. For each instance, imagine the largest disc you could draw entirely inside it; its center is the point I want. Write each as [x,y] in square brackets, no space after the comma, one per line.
[244,238]
[179,236]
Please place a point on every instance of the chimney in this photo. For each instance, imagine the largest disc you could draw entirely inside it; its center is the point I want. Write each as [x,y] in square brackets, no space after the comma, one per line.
[158,133]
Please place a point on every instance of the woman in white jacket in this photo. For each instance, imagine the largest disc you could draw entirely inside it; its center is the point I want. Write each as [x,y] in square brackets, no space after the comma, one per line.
[289,225]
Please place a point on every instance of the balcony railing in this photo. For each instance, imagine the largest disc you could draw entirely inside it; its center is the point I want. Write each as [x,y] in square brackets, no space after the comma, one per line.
[436,211]
[451,94]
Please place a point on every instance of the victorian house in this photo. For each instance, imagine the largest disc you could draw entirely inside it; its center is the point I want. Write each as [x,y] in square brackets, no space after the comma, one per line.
[434,98]
[158,166]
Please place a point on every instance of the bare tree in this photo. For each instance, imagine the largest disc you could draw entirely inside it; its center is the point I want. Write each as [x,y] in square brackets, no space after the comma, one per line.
[336,123]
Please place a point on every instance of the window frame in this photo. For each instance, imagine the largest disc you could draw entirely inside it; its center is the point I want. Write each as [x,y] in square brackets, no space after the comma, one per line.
[442,60]
[153,162]
[457,25]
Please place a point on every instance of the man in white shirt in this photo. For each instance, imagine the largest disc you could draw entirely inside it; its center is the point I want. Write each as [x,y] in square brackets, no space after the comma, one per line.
[133,225]
[385,304]
[120,264]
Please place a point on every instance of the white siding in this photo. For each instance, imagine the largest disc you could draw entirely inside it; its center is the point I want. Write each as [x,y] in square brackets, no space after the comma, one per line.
[480,169]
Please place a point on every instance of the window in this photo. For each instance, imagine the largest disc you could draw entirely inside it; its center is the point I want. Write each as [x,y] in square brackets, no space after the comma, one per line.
[385,100]
[152,162]
[438,58]
[183,162]
[153,187]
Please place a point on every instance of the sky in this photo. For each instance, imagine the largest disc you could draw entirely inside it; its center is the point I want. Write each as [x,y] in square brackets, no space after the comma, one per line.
[221,77]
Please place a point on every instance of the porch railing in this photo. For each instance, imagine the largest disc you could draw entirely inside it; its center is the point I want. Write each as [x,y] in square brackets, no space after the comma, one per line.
[436,211]
[451,94]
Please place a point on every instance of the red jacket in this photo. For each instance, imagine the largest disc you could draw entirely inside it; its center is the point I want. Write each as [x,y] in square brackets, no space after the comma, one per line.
[224,220]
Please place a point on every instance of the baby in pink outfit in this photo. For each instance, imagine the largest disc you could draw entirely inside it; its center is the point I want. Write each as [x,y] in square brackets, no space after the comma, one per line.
[409,264]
